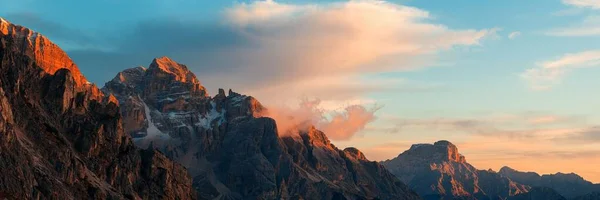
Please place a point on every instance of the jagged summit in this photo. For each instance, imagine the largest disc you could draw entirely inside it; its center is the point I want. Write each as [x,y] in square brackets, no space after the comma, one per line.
[354,153]
[48,56]
[130,76]
[61,138]
[162,83]
[439,171]
[232,150]
[441,150]
[443,143]
[179,71]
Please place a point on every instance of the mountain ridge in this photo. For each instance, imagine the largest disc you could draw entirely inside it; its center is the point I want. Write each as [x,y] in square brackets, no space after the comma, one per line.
[569,185]
[438,170]
[62,137]
[216,136]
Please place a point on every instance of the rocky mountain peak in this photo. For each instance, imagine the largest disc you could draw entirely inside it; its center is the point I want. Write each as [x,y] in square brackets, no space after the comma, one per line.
[165,79]
[179,71]
[233,151]
[317,138]
[439,171]
[354,153]
[48,56]
[62,138]
[441,150]
[131,76]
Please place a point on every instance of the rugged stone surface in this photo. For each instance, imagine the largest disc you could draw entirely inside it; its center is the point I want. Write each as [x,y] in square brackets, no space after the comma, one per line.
[439,171]
[62,138]
[232,151]
[569,185]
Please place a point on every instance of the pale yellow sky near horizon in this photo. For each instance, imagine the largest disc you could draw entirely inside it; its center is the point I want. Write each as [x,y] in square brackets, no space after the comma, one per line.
[480,158]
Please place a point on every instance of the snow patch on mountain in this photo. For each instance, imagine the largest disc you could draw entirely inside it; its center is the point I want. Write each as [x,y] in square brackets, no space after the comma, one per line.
[152,131]
[205,121]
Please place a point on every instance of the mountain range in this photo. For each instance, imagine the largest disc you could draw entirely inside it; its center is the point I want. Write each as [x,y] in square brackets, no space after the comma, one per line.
[231,150]
[155,132]
[439,171]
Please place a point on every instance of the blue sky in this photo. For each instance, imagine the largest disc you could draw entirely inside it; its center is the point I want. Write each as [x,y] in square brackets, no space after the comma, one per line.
[465,80]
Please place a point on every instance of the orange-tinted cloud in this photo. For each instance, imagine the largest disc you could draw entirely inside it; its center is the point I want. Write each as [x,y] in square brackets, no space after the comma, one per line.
[337,125]
[312,48]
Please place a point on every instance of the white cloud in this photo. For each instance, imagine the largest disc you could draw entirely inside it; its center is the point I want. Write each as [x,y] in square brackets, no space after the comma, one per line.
[589,26]
[337,43]
[550,73]
[514,35]
[593,4]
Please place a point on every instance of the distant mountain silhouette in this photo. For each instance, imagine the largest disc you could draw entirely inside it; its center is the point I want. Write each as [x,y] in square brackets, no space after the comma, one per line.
[569,185]
[438,170]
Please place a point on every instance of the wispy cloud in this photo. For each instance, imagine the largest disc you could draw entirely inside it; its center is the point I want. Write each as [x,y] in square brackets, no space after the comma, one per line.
[549,73]
[589,26]
[514,35]
[594,4]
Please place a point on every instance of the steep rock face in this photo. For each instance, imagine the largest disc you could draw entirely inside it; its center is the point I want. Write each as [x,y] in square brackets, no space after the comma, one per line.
[61,138]
[569,185]
[39,49]
[232,151]
[439,171]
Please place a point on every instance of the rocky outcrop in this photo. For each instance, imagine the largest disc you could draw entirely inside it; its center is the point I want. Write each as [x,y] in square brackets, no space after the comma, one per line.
[62,138]
[569,185]
[439,171]
[232,151]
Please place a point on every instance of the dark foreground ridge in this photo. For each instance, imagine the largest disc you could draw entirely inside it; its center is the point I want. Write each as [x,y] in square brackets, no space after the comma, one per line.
[62,138]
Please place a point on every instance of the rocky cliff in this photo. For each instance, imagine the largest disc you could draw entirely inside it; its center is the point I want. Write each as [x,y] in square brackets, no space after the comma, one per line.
[62,138]
[231,150]
[439,171]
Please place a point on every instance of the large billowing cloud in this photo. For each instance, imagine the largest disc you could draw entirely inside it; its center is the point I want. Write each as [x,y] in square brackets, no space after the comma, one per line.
[318,50]
[279,52]
[550,73]
[334,43]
